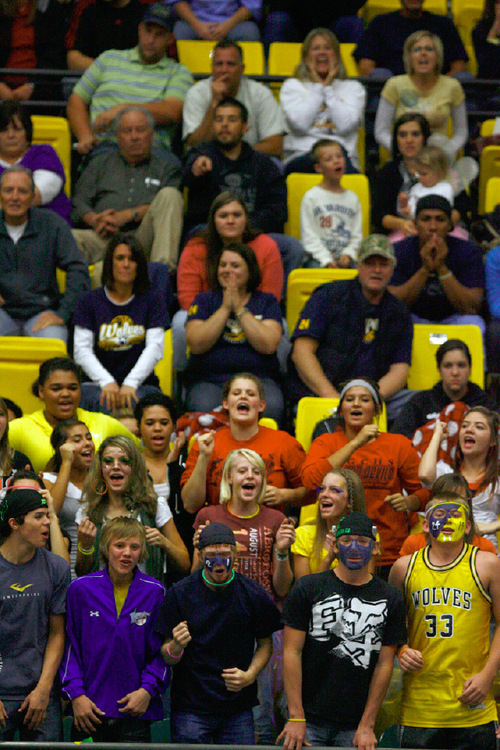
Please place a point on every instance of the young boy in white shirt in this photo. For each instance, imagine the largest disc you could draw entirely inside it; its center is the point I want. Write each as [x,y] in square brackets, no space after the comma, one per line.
[330,216]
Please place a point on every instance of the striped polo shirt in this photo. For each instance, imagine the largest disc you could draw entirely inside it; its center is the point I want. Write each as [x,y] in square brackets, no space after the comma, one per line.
[120,76]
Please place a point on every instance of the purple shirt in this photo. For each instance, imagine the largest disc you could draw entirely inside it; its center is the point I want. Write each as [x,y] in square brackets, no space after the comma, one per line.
[43,156]
[216,11]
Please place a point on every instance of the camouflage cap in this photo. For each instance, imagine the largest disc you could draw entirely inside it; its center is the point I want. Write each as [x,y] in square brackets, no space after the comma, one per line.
[376,244]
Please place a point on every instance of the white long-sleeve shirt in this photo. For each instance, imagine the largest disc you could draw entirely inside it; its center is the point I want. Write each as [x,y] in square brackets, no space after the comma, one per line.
[313,111]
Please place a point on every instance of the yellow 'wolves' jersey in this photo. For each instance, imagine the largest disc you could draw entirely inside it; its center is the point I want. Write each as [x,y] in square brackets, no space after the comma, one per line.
[448,613]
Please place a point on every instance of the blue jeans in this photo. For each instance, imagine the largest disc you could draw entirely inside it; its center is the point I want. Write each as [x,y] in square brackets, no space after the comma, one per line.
[91,395]
[246,31]
[324,734]
[203,729]
[49,731]
[14,327]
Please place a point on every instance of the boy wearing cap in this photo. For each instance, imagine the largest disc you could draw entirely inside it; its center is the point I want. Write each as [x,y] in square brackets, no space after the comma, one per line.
[342,630]
[451,590]
[439,278]
[33,585]
[210,622]
[354,328]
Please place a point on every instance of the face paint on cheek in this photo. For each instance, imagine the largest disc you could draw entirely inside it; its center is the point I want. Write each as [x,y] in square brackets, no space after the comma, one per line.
[363,554]
[455,527]
[212,562]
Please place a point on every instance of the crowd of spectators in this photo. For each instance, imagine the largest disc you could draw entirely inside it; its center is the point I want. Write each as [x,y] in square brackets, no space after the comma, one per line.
[174,543]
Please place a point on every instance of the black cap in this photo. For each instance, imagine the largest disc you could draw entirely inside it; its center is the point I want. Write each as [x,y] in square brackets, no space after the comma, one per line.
[216,533]
[434,201]
[356,523]
[159,14]
[18,502]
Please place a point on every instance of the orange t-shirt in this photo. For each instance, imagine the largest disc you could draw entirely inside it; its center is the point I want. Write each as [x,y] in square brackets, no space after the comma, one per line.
[386,466]
[282,454]
[192,275]
[418,541]
[22,47]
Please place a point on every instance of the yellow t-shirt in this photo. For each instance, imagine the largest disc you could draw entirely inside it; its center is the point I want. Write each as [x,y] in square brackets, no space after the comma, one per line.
[436,105]
[120,593]
[303,545]
[31,434]
[448,613]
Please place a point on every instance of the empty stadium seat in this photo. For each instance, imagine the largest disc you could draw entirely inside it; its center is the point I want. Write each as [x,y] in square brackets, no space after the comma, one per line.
[487,127]
[20,359]
[55,131]
[489,166]
[301,284]
[196,55]
[350,64]
[298,183]
[492,197]
[427,338]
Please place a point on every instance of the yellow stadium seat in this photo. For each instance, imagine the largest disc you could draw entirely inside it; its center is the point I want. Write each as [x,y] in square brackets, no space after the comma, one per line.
[472,64]
[427,338]
[466,17]
[196,55]
[309,412]
[61,278]
[55,131]
[492,194]
[350,64]
[489,166]
[487,127]
[20,359]
[282,61]
[268,422]
[164,368]
[298,184]
[301,284]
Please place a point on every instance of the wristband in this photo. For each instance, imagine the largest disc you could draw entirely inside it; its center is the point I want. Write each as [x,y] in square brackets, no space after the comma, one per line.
[301,720]
[173,656]
[282,555]
[445,276]
[402,650]
[242,312]
[89,551]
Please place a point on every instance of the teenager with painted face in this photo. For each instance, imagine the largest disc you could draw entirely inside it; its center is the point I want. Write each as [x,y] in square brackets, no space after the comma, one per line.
[112,670]
[342,628]
[210,622]
[451,590]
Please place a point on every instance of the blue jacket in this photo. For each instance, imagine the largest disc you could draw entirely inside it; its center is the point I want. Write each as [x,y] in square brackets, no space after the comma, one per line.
[107,656]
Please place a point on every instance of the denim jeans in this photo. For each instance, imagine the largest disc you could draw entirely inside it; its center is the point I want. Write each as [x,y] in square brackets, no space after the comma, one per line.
[202,729]
[49,731]
[324,734]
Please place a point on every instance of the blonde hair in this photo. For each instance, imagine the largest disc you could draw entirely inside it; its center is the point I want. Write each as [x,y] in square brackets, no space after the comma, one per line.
[254,459]
[302,71]
[139,494]
[355,502]
[436,159]
[410,43]
[122,528]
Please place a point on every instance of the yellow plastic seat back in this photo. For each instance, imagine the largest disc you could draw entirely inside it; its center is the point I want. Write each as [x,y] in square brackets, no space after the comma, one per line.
[427,338]
[492,194]
[164,368]
[196,55]
[20,359]
[298,184]
[282,61]
[489,166]
[301,284]
[55,131]
[487,127]
[350,64]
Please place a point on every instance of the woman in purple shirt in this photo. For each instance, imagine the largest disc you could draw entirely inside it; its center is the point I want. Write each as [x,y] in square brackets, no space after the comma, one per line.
[16,132]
